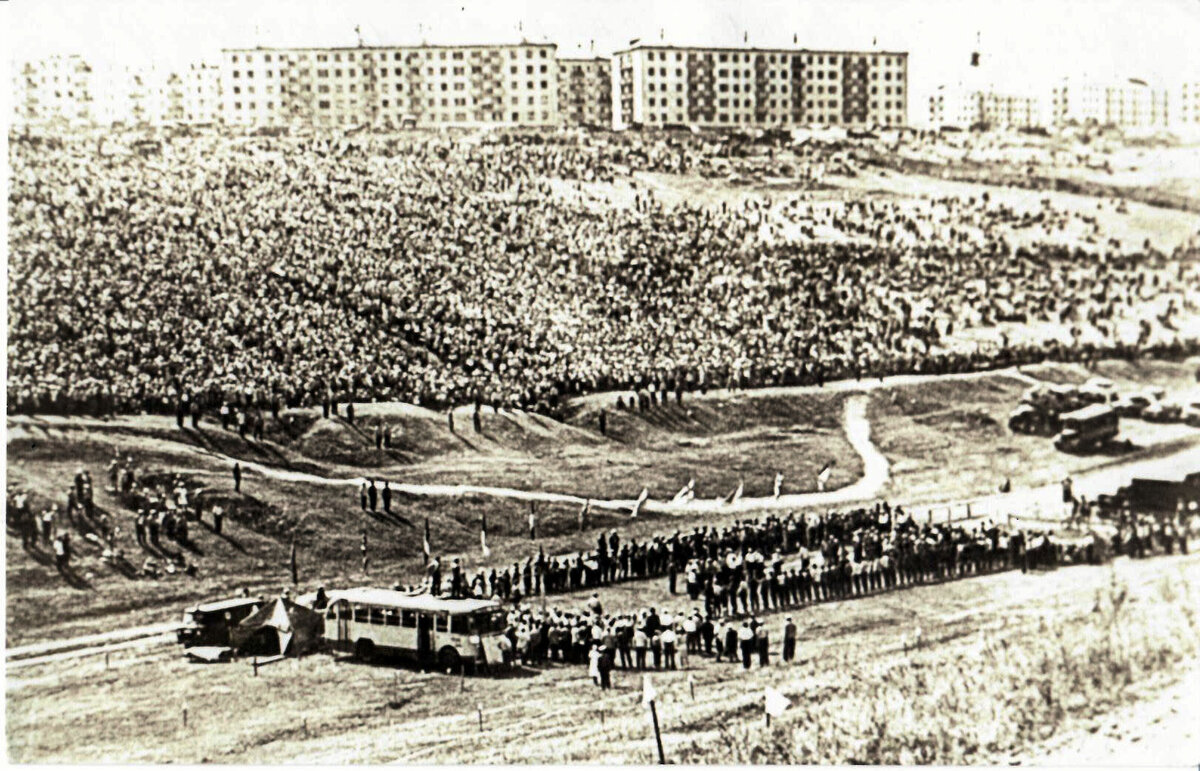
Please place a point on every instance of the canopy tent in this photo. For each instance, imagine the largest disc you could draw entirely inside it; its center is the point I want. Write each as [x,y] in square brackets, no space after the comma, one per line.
[280,627]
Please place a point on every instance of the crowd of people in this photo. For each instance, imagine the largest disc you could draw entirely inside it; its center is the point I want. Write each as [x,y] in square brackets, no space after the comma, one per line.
[236,276]
[736,575]
[755,564]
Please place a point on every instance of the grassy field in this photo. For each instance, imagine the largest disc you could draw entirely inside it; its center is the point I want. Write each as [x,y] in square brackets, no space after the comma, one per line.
[1024,656]
[719,443]
[943,440]
[960,429]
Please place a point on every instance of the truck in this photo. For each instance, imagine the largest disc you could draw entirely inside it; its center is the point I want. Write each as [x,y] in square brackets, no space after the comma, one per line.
[1042,406]
[1088,428]
[208,624]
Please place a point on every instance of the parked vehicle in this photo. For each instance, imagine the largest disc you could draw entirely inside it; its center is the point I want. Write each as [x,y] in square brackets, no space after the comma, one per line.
[1162,412]
[1087,428]
[433,630]
[208,624]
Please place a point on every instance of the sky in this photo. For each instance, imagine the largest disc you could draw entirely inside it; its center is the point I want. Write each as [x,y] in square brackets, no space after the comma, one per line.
[1026,44]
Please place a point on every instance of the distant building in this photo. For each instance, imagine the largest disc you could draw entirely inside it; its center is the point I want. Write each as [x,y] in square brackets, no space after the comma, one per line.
[431,86]
[960,107]
[56,89]
[201,84]
[1184,106]
[1131,104]
[759,88]
[585,91]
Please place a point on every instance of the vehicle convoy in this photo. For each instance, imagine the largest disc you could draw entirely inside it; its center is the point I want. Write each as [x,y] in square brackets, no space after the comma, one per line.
[1088,428]
[432,630]
[209,624]
[1041,406]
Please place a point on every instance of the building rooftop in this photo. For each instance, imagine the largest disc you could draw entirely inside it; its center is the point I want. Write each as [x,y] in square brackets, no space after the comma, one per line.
[426,602]
[751,49]
[413,46]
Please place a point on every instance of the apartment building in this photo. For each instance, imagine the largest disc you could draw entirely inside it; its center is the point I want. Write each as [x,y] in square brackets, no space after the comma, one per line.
[416,86]
[201,93]
[56,89]
[585,91]
[1184,110]
[1127,104]
[963,107]
[752,87]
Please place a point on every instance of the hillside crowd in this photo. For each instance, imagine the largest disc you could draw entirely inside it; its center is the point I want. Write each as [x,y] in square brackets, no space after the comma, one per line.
[234,276]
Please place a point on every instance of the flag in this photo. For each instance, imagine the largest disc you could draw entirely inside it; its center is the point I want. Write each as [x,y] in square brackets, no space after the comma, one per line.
[482,536]
[681,495]
[823,475]
[737,494]
[778,482]
[425,542]
[649,693]
[776,702]
[637,506]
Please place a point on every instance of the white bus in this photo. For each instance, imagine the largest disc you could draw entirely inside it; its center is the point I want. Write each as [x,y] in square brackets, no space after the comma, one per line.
[448,632]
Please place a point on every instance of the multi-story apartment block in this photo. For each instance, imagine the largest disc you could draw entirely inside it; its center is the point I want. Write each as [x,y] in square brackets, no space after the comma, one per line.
[1128,104]
[585,91]
[964,107]
[201,85]
[56,89]
[752,87]
[1185,106]
[420,86]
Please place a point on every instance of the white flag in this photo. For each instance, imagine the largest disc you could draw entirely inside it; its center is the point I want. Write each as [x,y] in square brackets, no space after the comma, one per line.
[737,494]
[778,483]
[823,476]
[649,693]
[776,702]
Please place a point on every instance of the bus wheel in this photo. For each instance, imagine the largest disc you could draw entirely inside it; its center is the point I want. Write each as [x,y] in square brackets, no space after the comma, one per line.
[364,650]
[448,658]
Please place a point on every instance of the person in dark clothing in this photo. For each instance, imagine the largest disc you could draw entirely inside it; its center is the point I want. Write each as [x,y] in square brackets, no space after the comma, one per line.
[372,495]
[450,419]
[237,477]
[387,437]
[477,421]
[606,668]
[378,437]
[218,519]
[387,497]
[603,421]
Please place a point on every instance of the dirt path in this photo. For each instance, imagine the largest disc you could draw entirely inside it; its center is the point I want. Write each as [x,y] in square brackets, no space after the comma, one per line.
[855,424]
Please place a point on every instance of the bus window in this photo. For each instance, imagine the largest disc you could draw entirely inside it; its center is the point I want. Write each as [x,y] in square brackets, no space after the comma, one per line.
[360,614]
[391,617]
[331,613]
[377,616]
[440,623]
[408,619]
[486,622]
[458,624]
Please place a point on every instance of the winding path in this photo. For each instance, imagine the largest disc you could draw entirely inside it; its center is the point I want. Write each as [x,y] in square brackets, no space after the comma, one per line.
[855,423]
